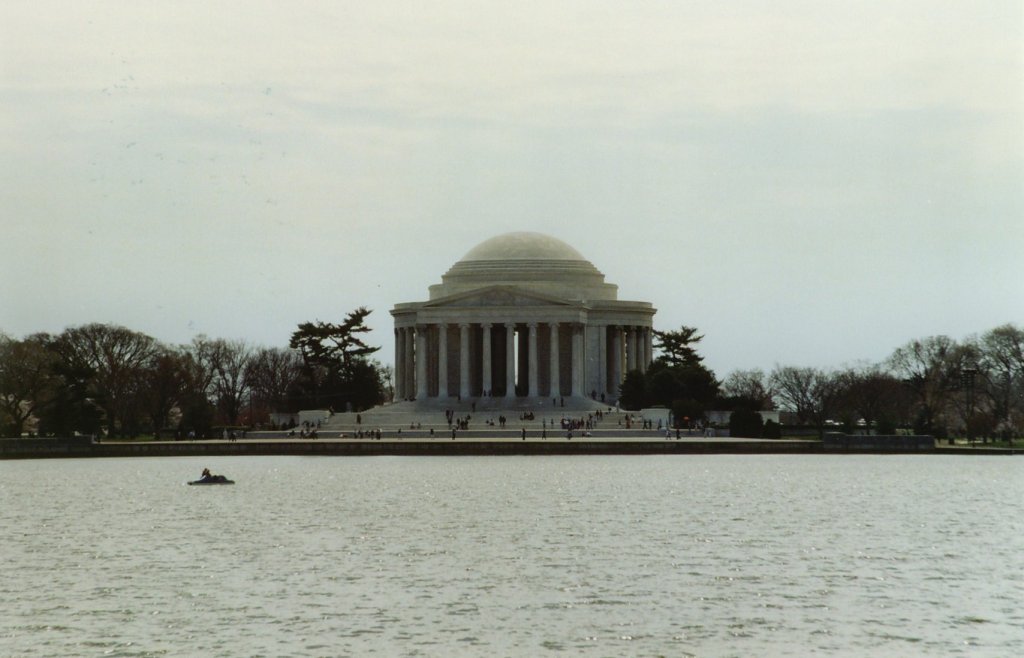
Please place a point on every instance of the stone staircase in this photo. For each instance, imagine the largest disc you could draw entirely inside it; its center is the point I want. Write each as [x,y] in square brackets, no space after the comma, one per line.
[427,418]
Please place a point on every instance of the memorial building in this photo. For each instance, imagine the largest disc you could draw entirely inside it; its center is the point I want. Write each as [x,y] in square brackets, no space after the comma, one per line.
[525,318]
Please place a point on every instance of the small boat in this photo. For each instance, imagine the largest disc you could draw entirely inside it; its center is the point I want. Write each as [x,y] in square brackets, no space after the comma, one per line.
[212,479]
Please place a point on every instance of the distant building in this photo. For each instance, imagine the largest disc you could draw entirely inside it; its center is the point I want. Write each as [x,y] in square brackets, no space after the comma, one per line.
[522,315]
[721,418]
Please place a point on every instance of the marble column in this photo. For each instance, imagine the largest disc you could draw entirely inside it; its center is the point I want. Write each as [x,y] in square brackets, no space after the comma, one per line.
[639,348]
[486,385]
[602,359]
[649,342]
[422,360]
[442,361]
[510,360]
[631,349]
[642,353]
[636,348]
[577,360]
[464,360]
[556,371]
[410,363]
[399,346]
[533,360]
[616,361]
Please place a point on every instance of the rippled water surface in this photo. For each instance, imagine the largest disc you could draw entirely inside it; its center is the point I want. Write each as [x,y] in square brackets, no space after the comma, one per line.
[514,556]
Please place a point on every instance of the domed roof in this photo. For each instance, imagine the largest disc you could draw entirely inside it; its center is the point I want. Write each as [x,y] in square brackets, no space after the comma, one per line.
[529,261]
[523,246]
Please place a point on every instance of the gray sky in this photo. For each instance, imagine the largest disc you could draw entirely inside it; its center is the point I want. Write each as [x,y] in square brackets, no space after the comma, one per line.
[807,182]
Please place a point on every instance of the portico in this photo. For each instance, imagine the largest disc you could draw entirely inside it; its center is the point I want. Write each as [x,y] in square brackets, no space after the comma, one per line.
[522,315]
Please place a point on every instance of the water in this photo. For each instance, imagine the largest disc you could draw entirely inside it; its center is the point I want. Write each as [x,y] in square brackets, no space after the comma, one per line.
[723,555]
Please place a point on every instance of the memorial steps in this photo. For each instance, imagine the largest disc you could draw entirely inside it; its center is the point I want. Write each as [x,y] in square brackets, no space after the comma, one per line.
[417,419]
[431,414]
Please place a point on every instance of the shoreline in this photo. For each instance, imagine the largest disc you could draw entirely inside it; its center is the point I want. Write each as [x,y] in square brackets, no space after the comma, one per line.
[468,445]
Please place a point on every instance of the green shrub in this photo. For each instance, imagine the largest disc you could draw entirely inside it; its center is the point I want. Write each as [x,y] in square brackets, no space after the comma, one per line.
[746,423]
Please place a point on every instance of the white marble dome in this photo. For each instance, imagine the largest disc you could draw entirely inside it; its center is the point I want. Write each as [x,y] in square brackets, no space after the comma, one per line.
[522,246]
[530,261]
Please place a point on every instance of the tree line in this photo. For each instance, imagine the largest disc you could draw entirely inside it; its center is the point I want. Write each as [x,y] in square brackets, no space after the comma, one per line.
[108,379]
[935,385]
[102,378]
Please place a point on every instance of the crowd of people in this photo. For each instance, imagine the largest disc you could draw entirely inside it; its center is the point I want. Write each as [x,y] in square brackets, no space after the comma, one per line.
[567,425]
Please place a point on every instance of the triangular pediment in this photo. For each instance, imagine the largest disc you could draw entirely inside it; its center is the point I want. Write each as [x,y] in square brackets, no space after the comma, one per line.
[500,296]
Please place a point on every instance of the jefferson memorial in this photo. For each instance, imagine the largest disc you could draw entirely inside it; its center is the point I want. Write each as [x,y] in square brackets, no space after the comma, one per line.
[525,318]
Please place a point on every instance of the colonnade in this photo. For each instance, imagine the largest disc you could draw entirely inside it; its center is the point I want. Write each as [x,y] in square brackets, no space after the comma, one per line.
[516,359]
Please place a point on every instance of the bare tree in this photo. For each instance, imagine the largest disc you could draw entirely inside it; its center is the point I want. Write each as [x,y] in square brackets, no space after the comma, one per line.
[1002,358]
[166,385]
[968,379]
[811,393]
[27,380]
[117,357]
[197,407]
[387,377]
[230,361]
[199,366]
[271,374]
[750,385]
[874,396]
[924,367]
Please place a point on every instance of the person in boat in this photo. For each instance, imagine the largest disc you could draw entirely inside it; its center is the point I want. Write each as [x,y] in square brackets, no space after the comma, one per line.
[206,474]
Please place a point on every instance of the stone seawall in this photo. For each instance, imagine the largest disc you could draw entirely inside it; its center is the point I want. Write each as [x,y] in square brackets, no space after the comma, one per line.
[82,447]
[58,448]
[78,446]
[878,442]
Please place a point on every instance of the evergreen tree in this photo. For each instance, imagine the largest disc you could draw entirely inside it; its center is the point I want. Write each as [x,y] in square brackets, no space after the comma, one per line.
[745,423]
[633,391]
[336,370]
[677,379]
[678,348]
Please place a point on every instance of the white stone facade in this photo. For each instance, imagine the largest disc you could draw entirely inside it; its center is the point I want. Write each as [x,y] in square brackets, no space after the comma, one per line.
[522,315]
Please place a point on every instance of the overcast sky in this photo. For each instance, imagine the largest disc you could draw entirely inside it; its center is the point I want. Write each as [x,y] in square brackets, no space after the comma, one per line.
[807,182]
